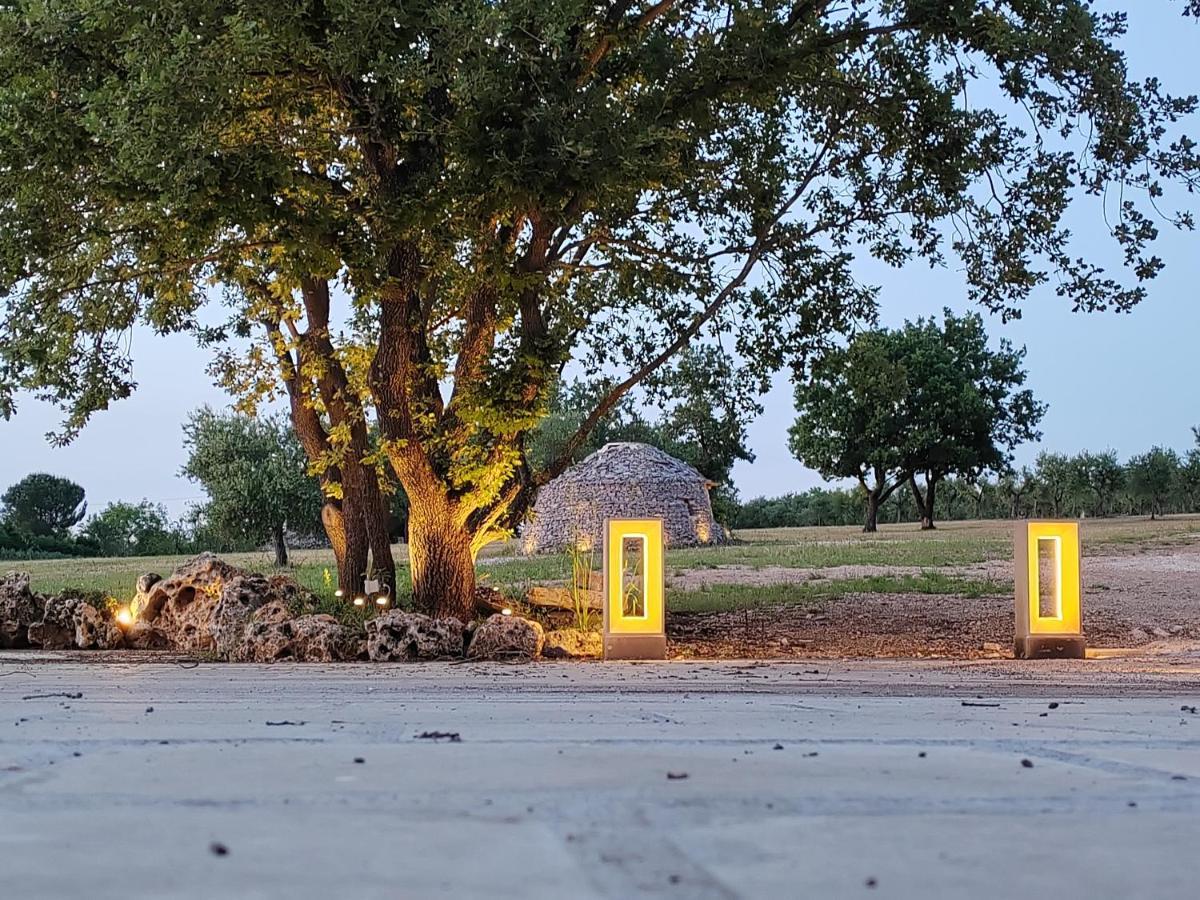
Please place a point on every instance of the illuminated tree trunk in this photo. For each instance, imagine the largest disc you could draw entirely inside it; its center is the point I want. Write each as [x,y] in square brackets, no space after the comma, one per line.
[443,566]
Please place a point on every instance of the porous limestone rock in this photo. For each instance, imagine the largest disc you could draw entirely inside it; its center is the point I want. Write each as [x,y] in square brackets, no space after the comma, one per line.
[206,604]
[144,636]
[620,481]
[147,581]
[19,608]
[402,636]
[97,629]
[242,600]
[571,643]
[182,605]
[506,637]
[316,638]
[56,630]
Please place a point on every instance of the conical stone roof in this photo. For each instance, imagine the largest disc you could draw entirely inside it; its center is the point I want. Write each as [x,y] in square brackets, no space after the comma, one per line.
[624,480]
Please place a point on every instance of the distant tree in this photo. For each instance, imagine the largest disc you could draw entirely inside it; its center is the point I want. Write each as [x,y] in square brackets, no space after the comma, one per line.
[1016,485]
[255,474]
[1189,475]
[42,505]
[925,401]
[1153,478]
[852,406]
[134,529]
[1097,479]
[1055,475]
[967,409]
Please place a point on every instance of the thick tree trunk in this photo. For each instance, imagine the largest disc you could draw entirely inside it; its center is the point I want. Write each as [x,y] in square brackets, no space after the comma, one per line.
[281,554]
[443,565]
[872,521]
[335,530]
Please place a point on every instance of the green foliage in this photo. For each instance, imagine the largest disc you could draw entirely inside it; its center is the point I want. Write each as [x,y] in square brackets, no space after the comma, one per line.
[1153,477]
[255,474]
[135,529]
[42,505]
[1055,474]
[1096,481]
[730,597]
[1087,484]
[927,399]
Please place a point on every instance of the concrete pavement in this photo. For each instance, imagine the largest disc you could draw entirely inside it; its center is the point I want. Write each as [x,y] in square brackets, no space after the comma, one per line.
[850,779]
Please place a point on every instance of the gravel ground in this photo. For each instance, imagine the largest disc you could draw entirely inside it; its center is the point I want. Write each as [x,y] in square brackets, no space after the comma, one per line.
[1130,600]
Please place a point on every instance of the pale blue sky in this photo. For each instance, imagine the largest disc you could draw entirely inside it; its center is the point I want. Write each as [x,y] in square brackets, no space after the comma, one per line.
[1119,381]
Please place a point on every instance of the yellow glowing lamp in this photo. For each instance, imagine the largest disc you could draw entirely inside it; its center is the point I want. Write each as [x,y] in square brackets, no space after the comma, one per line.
[634,589]
[1049,620]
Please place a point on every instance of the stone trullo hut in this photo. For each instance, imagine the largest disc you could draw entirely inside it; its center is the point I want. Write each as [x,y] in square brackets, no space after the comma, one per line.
[621,480]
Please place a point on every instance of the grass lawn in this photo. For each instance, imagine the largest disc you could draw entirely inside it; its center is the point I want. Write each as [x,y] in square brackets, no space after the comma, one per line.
[953,544]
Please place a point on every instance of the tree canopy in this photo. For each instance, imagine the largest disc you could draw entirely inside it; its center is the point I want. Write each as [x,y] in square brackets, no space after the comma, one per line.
[490,189]
[255,474]
[43,505]
[929,399]
[135,529]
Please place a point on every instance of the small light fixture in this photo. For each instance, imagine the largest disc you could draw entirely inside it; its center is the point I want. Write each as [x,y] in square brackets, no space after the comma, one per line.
[339,593]
[506,611]
[124,617]
[381,600]
[360,601]
[1048,616]
[634,589]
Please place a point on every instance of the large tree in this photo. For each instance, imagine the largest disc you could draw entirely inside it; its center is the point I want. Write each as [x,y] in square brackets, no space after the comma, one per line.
[43,505]
[927,401]
[435,206]
[966,409]
[255,474]
[852,423]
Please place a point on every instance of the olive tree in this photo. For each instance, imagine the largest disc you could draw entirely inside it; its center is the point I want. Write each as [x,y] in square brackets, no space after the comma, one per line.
[418,212]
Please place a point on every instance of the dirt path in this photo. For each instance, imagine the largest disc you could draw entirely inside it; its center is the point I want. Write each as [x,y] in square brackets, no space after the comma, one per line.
[1130,600]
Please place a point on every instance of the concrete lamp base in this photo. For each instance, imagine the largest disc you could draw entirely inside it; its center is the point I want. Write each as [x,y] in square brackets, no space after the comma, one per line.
[635,646]
[1050,646]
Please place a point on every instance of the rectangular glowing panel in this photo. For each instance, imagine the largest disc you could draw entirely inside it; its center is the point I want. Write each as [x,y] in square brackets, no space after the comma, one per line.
[634,596]
[633,576]
[1048,615]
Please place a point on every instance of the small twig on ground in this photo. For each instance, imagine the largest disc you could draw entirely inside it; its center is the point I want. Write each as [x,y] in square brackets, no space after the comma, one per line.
[452,736]
[64,694]
[970,703]
[287,722]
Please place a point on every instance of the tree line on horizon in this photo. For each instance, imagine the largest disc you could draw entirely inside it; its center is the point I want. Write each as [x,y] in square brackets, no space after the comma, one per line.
[43,516]
[1083,485]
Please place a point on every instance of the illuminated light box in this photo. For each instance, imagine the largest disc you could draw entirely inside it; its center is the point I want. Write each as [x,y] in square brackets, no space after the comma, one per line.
[634,619]
[1049,621]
